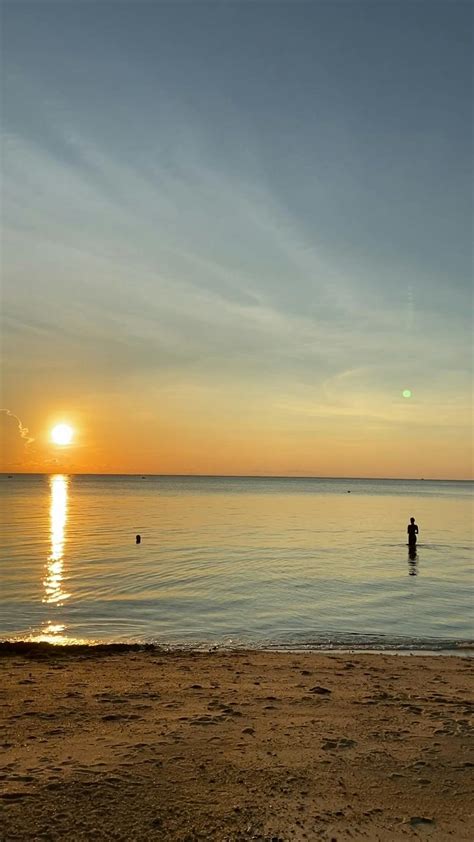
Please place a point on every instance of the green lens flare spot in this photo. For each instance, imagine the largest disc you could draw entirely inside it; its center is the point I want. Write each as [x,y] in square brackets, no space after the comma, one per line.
[406,393]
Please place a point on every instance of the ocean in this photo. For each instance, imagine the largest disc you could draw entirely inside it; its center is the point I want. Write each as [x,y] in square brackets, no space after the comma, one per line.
[283,563]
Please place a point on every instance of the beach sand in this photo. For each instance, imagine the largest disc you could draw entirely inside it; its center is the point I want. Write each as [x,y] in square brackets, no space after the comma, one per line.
[135,745]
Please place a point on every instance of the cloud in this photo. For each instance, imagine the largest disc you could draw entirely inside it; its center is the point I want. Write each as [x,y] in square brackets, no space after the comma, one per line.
[178,267]
[24,432]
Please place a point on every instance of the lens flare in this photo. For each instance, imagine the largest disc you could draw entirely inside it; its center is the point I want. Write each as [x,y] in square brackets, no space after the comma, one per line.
[406,393]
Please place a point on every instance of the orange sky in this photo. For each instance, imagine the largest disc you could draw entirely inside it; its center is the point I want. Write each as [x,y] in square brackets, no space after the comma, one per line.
[263,440]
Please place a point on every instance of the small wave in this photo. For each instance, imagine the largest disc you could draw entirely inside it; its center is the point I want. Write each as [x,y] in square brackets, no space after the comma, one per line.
[345,643]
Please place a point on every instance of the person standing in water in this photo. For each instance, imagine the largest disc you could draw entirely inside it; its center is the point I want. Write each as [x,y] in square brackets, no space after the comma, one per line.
[412,530]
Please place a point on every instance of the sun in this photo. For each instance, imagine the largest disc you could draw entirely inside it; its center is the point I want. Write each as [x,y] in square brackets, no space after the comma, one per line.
[62,434]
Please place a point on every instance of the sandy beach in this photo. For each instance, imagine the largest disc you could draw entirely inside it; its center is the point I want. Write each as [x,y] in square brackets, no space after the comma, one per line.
[133,745]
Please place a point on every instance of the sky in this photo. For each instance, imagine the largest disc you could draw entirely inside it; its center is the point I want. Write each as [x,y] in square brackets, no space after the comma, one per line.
[234,234]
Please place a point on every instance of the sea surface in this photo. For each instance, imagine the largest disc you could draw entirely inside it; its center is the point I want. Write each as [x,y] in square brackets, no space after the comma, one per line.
[256,562]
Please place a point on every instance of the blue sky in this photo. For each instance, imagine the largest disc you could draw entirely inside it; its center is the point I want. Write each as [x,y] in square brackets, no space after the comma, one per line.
[251,212]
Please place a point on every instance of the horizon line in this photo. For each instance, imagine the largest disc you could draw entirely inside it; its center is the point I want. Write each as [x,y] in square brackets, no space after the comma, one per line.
[142,475]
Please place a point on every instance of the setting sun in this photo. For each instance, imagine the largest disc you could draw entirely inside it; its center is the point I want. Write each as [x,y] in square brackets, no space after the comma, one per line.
[62,434]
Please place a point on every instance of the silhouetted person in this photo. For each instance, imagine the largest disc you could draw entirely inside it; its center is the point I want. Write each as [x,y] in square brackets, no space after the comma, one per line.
[412,530]
[138,539]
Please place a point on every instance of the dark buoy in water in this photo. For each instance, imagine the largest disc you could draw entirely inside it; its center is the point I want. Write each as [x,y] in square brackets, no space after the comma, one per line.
[138,539]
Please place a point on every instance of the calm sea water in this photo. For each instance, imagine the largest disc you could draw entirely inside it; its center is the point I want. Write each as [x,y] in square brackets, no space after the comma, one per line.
[258,562]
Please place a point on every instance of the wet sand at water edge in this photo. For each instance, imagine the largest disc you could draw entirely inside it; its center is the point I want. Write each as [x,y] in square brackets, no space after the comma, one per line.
[119,743]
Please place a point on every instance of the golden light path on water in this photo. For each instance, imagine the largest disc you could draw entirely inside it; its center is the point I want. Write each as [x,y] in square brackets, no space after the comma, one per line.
[54,593]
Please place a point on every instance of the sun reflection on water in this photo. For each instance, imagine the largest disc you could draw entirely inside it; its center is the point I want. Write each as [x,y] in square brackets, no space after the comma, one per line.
[53,582]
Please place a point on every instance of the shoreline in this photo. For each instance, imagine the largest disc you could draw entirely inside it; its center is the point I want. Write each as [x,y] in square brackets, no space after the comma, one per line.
[130,741]
[38,648]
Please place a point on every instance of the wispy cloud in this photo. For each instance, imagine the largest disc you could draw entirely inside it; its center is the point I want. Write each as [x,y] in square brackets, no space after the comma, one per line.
[24,432]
